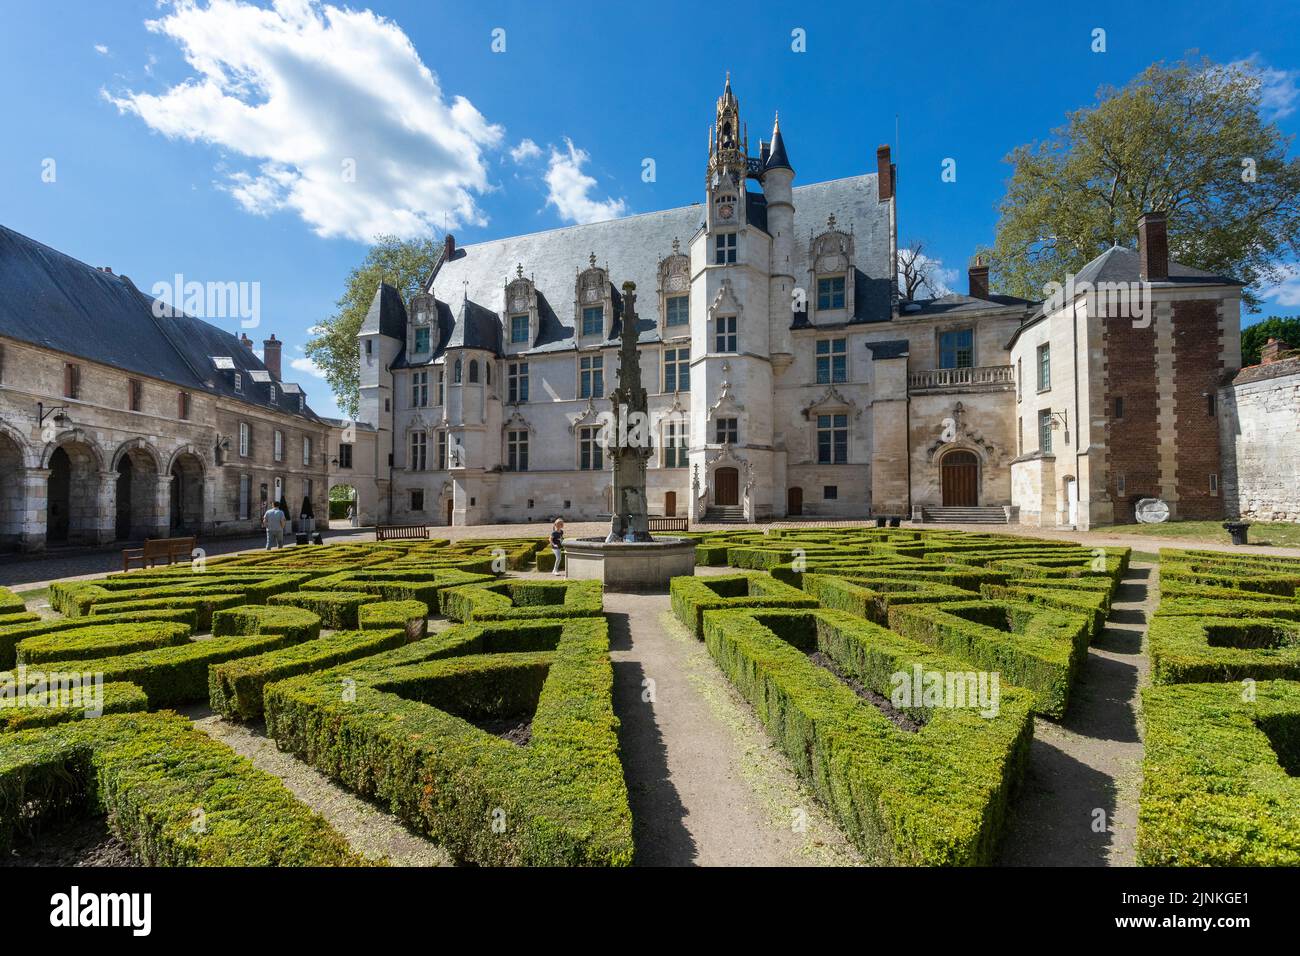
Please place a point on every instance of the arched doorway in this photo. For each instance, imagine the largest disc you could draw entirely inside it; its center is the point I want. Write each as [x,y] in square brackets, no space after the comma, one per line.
[726,486]
[187,494]
[137,495]
[72,494]
[12,493]
[794,502]
[342,499]
[670,504]
[960,479]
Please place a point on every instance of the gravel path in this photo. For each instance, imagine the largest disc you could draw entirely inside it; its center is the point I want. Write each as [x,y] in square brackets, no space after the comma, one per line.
[1090,763]
[706,787]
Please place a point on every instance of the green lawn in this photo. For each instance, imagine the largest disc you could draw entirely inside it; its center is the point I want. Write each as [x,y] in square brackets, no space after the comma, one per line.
[1280,533]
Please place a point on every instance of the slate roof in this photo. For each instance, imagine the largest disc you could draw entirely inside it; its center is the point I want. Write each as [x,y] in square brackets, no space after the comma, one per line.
[891,349]
[51,300]
[632,248]
[956,303]
[1122,264]
[776,158]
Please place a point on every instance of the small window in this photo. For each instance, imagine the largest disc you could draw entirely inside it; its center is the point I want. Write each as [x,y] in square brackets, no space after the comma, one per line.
[245,439]
[591,454]
[1209,405]
[419,389]
[591,377]
[1119,484]
[725,337]
[421,341]
[678,308]
[134,394]
[417,499]
[830,492]
[419,449]
[519,329]
[370,347]
[306,449]
[830,293]
[832,358]
[1045,431]
[1119,407]
[302,403]
[517,382]
[183,406]
[473,370]
[455,372]
[957,348]
[724,248]
[1214,484]
[832,439]
[593,321]
[726,431]
[277,450]
[345,455]
[517,450]
[442,451]
[676,442]
[71,381]
[239,382]
[1044,367]
[677,370]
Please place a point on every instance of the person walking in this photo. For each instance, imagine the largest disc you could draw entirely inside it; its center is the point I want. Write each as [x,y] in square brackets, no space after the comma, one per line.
[557,544]
[274,521]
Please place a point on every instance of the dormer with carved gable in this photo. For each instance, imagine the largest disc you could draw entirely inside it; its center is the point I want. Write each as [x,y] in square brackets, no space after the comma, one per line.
[422,331]
[593,305]
[830,275]
[521,322]
[675,294]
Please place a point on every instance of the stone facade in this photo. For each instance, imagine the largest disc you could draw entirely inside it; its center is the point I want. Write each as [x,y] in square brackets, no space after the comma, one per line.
[1259,416]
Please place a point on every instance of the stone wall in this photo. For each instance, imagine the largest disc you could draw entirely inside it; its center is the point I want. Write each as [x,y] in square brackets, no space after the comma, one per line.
[1259,417]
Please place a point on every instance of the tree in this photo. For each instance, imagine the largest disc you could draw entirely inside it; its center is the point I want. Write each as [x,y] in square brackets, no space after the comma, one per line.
[403,264]
[917,272]
[1274,327]
[1187,140]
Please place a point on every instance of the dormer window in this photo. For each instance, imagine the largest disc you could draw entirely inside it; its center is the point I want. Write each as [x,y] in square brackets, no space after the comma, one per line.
[519,330]
[831,270]
[593,321]
[239,383]
[678,308]
[421,341]
[520,312]
[594,303]
[830,293]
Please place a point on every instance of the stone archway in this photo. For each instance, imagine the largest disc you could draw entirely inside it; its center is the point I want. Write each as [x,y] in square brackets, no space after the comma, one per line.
[186,494]
[137,504]
[13,493]
[959,472]
[72,498]
[726,486]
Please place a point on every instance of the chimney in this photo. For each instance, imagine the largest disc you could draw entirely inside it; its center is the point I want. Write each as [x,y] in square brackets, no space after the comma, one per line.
[271,355]
[448,247]
[1272,351]
[884,174]
[1153,247]
[245,341]
[977,276]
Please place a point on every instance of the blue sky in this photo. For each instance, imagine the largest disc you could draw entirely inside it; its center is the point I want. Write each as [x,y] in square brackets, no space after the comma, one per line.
[214,144]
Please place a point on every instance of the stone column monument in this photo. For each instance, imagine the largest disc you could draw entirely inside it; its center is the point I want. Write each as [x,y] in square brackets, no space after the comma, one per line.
[631,443]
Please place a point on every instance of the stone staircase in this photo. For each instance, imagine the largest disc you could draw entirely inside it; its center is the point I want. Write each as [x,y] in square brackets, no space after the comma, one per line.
[725,514]
[993,514]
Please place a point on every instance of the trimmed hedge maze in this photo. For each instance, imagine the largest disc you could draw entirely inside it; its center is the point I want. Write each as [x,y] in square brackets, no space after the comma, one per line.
[1222,718]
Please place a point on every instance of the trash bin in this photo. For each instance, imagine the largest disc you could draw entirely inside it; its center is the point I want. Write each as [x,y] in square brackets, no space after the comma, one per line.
[880,521]
[1238,530]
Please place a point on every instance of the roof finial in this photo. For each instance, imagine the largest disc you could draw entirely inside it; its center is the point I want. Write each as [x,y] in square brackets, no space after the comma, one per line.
[677,246]
[830,221]
[776,123]
[592,260]
[519,270]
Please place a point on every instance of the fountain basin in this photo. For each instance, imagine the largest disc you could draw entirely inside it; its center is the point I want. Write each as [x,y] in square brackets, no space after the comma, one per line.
[630,565]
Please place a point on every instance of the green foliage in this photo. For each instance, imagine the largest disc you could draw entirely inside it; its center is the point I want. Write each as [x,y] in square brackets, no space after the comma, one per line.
[10,635]
[934,797]
[522,600]
[1255,337]
[336,609]
[1186,650]
[410,616]
[1218,776]
[404,739]
[692,596]
[299,623]
[403,264]
[174,795]
[871,598]
[102,640]
[1171,140]
[48,707]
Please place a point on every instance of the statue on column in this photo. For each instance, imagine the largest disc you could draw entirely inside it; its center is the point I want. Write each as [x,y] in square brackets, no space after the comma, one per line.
[632,439]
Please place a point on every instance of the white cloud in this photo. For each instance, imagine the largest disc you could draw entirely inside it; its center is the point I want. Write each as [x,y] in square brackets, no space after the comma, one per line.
[526,149]
[569,188]
[1287,291]
[1279,90]
[101,49]
[942,279]
[305,91]
[307,366]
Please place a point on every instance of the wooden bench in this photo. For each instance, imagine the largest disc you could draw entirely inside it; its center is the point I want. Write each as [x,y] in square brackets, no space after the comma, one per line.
[669,524]
[401,532]
[167,550]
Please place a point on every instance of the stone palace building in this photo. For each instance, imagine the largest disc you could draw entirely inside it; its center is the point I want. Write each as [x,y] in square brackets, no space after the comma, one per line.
[786,376]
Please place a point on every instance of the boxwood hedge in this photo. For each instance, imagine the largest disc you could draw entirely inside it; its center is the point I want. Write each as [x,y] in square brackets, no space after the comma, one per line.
[1187,650]
[1032,646]
[297,622]
[934,796]
[404,737]
[155,777]
[522,600]
[10,635]
[47,707]
[872,598]
[1219,776]
[692,596]
[410,616]
[100,640]
[336,609]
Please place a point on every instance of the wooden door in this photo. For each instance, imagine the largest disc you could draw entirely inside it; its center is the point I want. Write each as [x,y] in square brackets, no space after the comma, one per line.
[670,504]
[794,502]
[449,508]
[726,487]
[960,471]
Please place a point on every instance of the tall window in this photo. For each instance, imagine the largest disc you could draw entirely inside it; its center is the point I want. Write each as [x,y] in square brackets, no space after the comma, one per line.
[442,387]
[473,370]
[830,293]
[832,359]
[1019,378]
[1045,431]
[591,454]
[591,376]
[419,389]
[277,445]
[421,341]
[306,488]
[345,455]
[1044,367]
[183,406]
[306,449]
[677,370]
[832,439]
[676,441]
[519,328]
[724,248]
[135,394]
[245,497]
[725,339]
[71,381]
[455,373]
[957,348]
[239,381]
[726,431]
[679,310]
[442,451]
[419,451]
[245,438]
[517,450]
[517,382]
[593,320]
